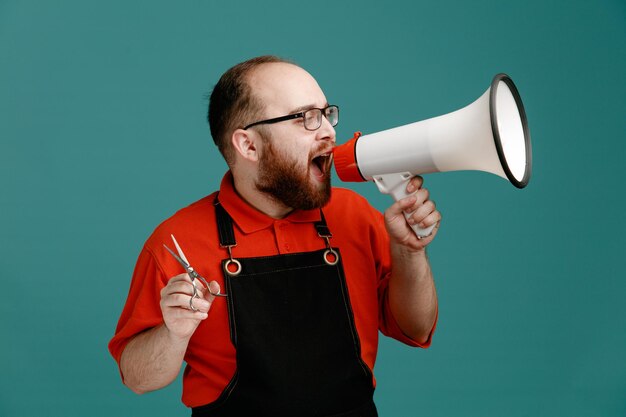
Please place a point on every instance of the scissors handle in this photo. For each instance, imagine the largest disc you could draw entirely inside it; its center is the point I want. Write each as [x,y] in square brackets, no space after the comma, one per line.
[192,274]
[206,284]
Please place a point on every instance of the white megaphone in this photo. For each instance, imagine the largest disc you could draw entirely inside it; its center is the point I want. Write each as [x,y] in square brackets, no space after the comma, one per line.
[490,135]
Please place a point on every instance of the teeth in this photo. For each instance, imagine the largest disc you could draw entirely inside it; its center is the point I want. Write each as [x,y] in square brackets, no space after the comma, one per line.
[321,160]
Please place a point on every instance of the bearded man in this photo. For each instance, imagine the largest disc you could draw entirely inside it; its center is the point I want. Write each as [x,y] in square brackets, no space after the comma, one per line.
[302,275]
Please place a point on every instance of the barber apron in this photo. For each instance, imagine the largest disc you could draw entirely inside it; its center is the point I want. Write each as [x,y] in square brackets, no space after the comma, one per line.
[297,349]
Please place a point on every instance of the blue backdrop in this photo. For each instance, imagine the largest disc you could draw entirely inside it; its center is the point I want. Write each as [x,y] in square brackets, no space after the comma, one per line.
[103,135]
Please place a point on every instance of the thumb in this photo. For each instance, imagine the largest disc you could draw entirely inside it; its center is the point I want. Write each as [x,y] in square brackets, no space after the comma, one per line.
[213,290]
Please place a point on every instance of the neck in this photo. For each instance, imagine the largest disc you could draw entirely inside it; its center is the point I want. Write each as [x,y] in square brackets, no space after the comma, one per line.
[245,188]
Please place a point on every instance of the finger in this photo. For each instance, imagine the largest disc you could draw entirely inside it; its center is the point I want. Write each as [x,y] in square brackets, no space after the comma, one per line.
[199,304]
[176,300]
[415,184]
[422,195]
[201,287]
[413,202]
[179,278]
[395,214]
[183,301]
[184,287]
[214,289]
[403,205]
[421,212]
[432,218]
[179,287]
[178,313]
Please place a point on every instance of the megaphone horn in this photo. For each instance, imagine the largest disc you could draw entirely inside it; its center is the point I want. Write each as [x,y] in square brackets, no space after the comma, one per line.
[490,135]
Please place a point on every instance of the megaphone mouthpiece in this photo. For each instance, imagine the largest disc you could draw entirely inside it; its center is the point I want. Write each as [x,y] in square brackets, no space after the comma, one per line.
[345,161]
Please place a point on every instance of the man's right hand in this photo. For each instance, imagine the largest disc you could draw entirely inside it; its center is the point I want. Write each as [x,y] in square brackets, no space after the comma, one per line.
[180,320]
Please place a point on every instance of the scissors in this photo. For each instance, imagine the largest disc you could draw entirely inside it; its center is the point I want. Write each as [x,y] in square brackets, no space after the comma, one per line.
[182,259]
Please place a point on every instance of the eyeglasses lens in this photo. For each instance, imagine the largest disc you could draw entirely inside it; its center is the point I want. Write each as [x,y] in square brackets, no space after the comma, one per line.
[313,117]
[332,114]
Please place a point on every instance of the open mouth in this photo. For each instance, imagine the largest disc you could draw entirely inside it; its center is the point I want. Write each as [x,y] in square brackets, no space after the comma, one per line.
[321,164]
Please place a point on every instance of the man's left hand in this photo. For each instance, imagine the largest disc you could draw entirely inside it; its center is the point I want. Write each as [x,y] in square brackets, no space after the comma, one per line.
[422,211]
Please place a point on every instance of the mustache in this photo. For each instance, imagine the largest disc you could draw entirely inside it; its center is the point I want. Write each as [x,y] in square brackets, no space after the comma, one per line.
[322,150]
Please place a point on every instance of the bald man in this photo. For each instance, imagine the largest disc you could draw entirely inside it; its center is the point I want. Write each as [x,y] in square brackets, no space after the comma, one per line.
[311,273]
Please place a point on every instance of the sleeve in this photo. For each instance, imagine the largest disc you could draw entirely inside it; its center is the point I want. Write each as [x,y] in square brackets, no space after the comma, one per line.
[387,323]
[142,310]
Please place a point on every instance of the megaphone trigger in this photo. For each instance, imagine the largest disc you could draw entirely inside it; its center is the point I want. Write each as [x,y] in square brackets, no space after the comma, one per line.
[395,185]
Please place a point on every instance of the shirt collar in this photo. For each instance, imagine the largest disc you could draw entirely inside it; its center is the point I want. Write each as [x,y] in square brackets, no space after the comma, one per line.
[248,218]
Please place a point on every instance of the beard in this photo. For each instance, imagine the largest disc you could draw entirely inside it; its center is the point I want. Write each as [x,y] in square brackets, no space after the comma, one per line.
[282,180]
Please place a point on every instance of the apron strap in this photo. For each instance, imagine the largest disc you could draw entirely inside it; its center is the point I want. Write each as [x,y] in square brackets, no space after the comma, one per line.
[331,256]
[227,237]
[322,228]
[224,225]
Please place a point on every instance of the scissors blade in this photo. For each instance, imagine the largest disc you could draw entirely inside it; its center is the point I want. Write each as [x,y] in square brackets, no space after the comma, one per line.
[180,261]
[180,251]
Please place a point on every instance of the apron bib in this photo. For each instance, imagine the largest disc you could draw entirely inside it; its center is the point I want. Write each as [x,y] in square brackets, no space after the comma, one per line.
[298,352]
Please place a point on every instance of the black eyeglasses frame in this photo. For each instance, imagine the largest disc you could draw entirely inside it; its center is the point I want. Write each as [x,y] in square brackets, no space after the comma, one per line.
[295,116]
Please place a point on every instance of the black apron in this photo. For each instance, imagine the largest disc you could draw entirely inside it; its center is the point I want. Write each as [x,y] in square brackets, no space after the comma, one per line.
[298,352]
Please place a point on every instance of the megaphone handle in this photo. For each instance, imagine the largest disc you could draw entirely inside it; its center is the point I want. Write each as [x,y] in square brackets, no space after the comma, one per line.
[395,185]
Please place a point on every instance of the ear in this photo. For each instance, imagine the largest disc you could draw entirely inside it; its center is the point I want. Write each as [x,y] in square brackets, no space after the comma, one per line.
[245,144]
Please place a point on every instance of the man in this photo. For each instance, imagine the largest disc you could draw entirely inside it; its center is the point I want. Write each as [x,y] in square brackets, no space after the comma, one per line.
[310,274]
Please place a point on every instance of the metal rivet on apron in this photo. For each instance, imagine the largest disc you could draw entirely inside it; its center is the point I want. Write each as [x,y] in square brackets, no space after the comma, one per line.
[334,257]
[230,262]
[329,251]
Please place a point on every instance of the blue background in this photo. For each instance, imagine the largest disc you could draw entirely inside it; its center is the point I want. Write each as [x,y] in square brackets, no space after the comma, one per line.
[103,135]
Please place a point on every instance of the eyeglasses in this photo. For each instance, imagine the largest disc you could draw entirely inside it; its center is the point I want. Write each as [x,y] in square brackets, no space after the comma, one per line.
[312,118]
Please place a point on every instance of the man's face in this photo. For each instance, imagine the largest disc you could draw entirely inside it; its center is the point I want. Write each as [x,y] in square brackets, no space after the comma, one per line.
[294,163]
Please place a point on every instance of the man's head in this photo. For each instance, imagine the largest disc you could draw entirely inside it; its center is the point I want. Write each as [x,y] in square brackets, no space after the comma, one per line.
[232,103]
[288,161]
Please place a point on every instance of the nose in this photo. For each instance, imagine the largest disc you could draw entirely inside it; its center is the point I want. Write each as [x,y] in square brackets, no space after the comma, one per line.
[326,131]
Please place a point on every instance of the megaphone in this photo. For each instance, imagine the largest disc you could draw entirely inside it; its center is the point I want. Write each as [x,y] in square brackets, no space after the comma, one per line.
[490,135]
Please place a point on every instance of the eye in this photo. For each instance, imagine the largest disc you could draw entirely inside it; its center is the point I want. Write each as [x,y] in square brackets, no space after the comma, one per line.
[310,116]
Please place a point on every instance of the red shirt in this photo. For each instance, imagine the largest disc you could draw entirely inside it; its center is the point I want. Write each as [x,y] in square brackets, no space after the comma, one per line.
[358,231]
